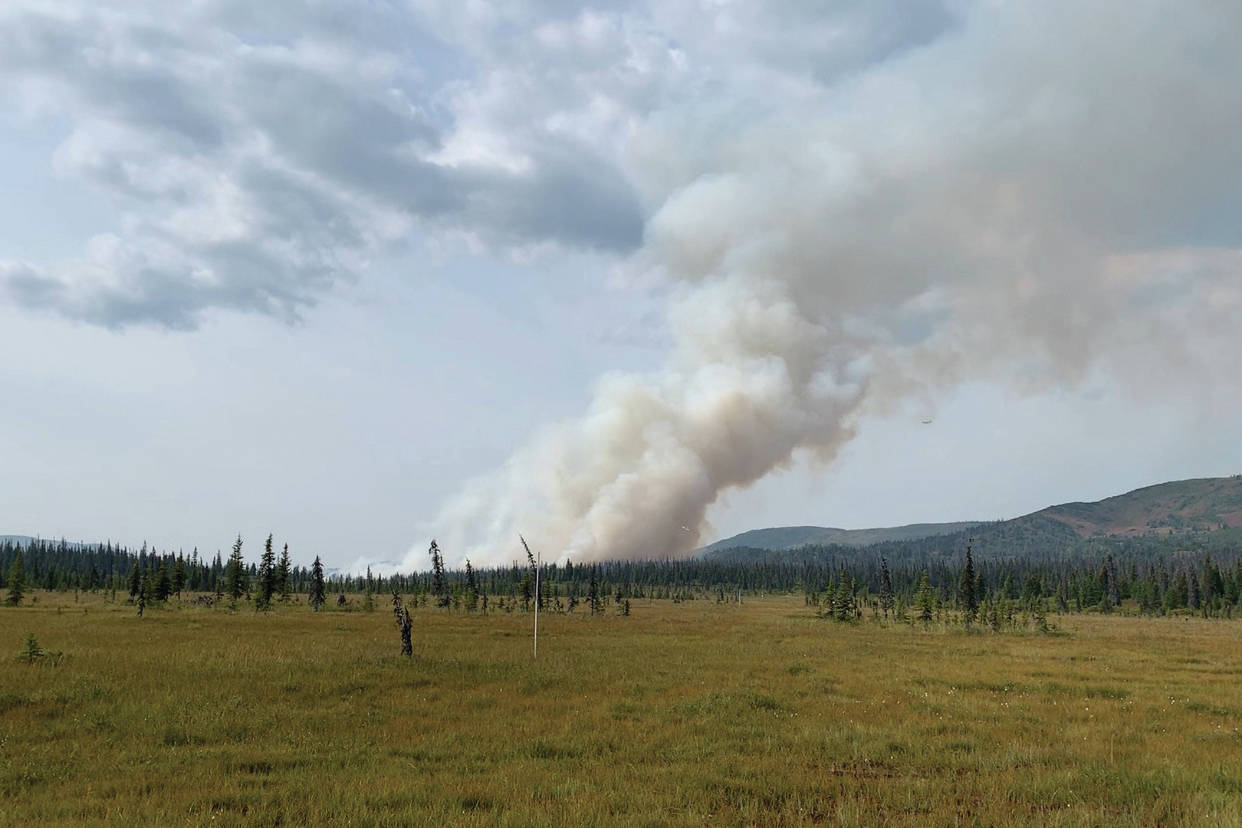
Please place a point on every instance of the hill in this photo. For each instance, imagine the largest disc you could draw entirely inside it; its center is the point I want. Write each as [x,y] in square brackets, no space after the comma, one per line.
[1201,514]
[1202,504]
[791,537]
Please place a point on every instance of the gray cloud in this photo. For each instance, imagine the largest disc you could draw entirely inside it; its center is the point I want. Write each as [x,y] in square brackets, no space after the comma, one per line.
[261,160]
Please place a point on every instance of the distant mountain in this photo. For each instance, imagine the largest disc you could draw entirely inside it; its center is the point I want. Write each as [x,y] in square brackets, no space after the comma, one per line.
[791,537]
[1202,504]
[1156,518]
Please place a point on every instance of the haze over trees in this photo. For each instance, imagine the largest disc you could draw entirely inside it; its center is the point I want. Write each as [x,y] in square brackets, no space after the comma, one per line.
[1045,559]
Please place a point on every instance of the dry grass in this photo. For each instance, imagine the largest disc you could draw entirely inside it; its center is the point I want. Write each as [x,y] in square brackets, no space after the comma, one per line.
[681,714]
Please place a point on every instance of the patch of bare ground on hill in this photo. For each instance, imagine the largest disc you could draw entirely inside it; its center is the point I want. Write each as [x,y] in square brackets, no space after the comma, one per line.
[681,714]
[1202,504]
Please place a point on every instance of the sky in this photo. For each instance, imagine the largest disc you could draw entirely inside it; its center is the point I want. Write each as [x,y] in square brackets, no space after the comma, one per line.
[625,278]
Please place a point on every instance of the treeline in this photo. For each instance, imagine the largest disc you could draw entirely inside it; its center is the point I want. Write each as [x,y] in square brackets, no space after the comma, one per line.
[995,590]
[1094,577]
[63,566]
[1035,538]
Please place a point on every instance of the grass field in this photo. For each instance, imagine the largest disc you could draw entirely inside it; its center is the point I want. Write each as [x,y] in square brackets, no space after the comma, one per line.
[680,714]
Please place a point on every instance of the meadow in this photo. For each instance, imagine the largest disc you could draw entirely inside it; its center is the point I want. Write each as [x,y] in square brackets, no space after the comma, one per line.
[680,714]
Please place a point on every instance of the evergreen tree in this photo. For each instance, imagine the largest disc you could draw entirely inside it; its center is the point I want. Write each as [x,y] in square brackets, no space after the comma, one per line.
[533,568]
[163,584]
[843,601]
[135,581]
[886,588]
[17,579]
[284,583]
[439,586]
[526,588]
[267,575]
[178,576]
[966,592]
[397,606]
[144,592]
[235,572]
[317,592]
[925,598]
[32,652]
[1041,616]
[407,645]
[472,588]
[1105,588]
[1114,591]
[593,594]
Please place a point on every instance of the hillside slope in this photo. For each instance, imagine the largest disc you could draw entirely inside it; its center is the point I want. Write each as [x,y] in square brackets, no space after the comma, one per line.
[791,537]
[1153,517]
[1201,504]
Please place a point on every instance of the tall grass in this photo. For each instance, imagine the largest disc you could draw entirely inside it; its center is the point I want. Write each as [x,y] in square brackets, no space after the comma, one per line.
[680,714]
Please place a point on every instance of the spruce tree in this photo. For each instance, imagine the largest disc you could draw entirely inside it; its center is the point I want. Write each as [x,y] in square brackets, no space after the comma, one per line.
[235,572]
[135,581]
[533,569]
[17,579]
[1114,591]
[316,596]
[472,588]
[397,607]
[284,575]
[439,586]
[593,594]
[178,576]
[1041,616]
[843,602]
[886,588]
[526,588]
[407,645]
[163,584]
[925,599]
[267,575]
[144,592]
[32,652]
[966,592]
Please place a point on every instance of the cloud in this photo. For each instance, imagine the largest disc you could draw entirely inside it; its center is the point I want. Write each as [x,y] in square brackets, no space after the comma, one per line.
[261,161]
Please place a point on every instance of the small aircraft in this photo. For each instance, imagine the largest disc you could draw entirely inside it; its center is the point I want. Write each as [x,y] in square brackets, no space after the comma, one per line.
[927,422]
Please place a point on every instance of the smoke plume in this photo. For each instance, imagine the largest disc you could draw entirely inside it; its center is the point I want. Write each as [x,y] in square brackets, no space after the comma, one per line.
[1035,195]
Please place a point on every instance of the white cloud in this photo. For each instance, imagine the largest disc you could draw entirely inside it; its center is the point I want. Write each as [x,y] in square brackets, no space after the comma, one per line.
[262,161]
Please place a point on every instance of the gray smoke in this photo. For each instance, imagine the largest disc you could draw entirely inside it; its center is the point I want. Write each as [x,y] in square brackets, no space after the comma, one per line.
[1041,193]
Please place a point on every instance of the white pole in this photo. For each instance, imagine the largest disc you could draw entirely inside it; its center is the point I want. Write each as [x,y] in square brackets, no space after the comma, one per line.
[537,558]
[534,561]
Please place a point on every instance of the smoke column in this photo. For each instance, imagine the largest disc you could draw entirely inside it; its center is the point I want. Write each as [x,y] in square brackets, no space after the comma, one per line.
[1035,196]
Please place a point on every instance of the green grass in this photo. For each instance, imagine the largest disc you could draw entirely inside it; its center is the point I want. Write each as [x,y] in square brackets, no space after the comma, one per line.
[681,714]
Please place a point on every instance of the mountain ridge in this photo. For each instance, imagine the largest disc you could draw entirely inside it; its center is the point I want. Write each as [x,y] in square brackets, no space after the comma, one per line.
[791,537]
[1202,504]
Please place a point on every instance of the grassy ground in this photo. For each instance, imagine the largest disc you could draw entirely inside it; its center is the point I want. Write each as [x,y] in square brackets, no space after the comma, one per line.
[680,714]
